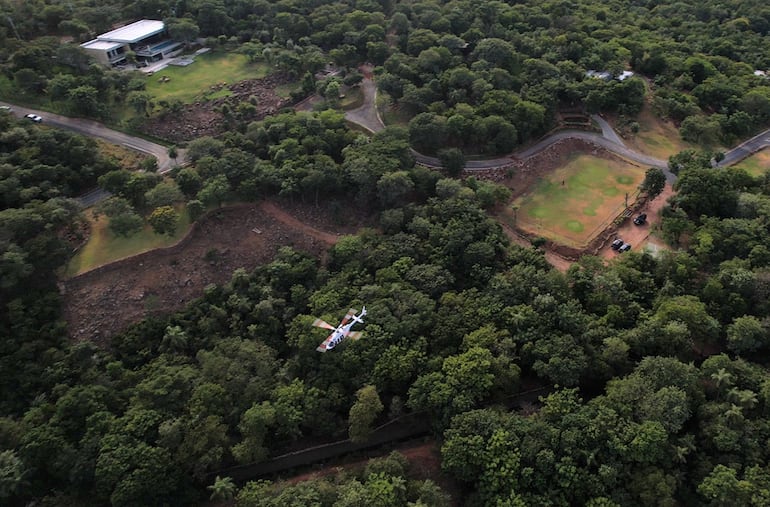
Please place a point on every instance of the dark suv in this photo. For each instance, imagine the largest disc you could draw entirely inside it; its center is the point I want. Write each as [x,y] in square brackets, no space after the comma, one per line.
[640,219]
[616,244]
[625,247]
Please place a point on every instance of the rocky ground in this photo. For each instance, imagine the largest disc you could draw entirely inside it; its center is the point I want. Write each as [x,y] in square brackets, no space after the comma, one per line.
[206,118]
[104,301]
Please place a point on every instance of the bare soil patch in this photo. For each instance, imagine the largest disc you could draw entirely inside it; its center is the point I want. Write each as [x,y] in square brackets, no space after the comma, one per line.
[638,236]
[206,118]
[102,302]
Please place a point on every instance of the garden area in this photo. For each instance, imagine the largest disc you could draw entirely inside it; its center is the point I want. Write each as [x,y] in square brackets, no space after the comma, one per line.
[204,78]
[578,200]
[208,96]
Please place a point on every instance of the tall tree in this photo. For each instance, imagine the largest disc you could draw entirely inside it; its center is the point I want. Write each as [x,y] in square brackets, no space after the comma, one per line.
[654,182]
[363,413]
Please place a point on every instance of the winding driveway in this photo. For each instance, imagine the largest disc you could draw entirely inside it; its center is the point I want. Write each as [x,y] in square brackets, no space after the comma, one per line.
[746,149]
[367,117]
[95,129]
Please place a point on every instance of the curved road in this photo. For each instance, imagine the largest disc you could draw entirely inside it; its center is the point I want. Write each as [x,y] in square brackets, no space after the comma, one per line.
[95,129]
[368,117]
[746,149]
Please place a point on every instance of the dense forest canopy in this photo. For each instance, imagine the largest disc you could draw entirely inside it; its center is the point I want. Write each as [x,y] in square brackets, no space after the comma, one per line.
[481,76]
[658,364]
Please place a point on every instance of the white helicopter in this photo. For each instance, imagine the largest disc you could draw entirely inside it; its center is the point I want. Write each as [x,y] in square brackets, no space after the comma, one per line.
[342,331]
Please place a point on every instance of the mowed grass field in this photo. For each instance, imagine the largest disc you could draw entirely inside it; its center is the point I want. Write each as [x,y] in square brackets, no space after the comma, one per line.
[577,201]
[757,164]
[104,247]
[194,82]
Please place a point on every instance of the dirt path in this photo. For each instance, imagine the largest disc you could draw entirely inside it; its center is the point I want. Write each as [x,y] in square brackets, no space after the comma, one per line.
[425,455]
[102,302]
[272,209]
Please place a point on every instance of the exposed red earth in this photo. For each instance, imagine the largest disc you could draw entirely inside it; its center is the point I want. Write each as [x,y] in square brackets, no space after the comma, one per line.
[104,301]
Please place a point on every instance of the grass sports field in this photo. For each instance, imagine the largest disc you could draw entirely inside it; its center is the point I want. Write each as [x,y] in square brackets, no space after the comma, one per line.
[194,82]
[574,203]
[757,164]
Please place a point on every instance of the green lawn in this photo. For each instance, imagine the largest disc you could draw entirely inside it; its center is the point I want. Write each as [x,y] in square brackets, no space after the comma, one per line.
[656,137]
[391,116]
[575,202]
[201,80]
[104,247]
[757,164]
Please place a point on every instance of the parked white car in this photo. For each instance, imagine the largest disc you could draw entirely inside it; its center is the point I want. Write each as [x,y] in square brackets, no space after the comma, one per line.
[33,117]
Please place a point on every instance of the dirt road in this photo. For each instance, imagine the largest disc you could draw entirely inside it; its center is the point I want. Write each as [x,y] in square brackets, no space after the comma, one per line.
[272,209]
[638,236]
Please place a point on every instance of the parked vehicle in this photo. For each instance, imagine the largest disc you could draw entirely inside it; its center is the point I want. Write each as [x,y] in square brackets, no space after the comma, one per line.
[625,247]
[33,117]
[5,108]
[640,219]
[616,244]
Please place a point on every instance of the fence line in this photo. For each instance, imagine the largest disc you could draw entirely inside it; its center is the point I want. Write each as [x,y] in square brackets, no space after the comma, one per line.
[401,428]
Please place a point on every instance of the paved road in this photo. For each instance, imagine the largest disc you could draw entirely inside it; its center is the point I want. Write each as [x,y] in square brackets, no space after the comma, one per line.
[607,131]
[96,129]
[367,115]
[600,140]
[746,149]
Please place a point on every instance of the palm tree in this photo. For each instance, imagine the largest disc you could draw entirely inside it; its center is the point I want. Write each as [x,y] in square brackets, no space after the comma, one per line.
[734,413]
[743,397]
[722,378]
[515,209]
[222,489]
[174,340]
[173,153]
[685,446]
[747,399]
[681,453]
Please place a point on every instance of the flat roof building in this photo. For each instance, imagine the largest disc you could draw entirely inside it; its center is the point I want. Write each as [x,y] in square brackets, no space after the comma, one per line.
[147,38]
[135,32]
